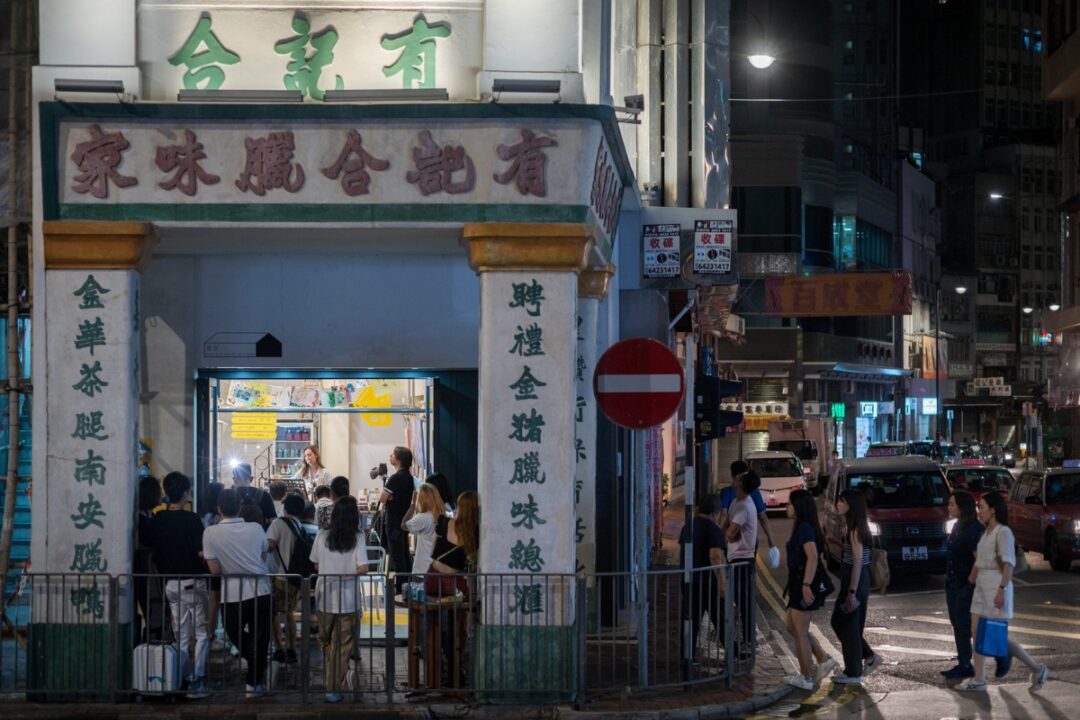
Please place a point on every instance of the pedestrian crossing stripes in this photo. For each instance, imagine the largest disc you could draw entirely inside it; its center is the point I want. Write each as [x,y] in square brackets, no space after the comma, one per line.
[1017,629]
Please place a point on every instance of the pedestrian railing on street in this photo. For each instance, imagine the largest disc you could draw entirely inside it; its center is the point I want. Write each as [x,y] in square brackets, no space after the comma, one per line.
[537,638]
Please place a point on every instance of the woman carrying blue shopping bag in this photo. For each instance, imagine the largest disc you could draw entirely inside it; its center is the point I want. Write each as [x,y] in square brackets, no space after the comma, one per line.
[992,602]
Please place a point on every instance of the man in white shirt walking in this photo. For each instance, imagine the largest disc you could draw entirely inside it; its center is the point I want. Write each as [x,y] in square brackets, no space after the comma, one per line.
[236,548]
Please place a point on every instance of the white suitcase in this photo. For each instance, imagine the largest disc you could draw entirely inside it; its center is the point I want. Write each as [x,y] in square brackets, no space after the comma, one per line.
[156,669]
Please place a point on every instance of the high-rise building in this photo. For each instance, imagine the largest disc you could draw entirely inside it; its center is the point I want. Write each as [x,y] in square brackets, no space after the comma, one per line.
[972,80]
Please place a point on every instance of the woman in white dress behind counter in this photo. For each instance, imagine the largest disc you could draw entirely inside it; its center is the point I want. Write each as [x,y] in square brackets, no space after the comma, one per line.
[312,471]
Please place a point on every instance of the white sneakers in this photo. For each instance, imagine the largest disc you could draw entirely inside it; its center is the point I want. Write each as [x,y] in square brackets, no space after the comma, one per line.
[825,669]
[872,664]
[800,682]
[842,679]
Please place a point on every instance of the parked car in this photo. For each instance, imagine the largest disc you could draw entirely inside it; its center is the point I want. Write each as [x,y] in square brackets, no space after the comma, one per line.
[887,449]
[1044,513]
[780,473]
[977,479]
[907,503]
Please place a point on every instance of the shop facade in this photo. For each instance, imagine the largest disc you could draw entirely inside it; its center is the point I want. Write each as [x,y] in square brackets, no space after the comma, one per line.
[229,283]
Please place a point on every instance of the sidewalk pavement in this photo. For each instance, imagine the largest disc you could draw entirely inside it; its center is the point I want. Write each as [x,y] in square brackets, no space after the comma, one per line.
[763,687]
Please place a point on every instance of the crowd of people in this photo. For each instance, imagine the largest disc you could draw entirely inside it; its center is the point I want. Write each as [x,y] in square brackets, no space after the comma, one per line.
[241,557]
[982,557]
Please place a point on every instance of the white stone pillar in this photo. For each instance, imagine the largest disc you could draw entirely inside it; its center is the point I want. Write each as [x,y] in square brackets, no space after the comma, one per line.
[528,350]
[592,286]
[83,508]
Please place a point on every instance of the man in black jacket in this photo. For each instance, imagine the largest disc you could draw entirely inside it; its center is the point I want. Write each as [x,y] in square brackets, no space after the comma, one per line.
[397,496]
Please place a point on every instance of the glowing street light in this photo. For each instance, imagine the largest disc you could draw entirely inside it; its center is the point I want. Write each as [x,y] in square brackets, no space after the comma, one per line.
[761,61]
[1028,309]
[1054,307]
[960,289]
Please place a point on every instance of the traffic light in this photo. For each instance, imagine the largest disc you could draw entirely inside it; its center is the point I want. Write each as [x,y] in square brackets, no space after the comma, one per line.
[710,421]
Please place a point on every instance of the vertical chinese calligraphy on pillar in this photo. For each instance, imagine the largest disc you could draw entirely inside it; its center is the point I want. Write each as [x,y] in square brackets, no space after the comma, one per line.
[592,286]
[91,447]
[527,395]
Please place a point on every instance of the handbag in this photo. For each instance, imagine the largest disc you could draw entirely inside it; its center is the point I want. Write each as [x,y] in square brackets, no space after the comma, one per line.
[880,575]
[823,585]
[1021,565]
[992,637]
[439,584]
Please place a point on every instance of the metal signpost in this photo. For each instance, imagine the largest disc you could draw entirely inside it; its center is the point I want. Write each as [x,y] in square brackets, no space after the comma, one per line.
[639,383]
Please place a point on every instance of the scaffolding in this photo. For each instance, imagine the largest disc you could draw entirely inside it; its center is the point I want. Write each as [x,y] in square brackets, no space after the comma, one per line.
[18,55]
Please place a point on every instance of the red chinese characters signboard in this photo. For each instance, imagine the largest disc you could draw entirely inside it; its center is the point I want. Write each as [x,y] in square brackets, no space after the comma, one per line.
[845,294]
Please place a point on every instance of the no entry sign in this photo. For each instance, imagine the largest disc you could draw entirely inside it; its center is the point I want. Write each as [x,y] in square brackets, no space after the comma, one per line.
[638,383]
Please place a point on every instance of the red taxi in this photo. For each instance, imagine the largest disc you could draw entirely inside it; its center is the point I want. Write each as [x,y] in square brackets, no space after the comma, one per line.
[1044,514]
[977,478]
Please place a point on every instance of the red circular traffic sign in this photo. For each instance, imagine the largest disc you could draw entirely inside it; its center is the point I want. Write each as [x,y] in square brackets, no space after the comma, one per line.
[638,383]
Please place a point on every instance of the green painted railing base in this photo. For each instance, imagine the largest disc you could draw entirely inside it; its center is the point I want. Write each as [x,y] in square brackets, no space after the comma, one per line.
[70,662]
[522,664]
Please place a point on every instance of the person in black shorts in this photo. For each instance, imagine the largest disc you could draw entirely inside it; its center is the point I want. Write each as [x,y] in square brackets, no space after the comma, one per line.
[805,553]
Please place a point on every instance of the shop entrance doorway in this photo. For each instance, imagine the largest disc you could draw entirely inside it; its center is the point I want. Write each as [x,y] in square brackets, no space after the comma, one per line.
[351,419]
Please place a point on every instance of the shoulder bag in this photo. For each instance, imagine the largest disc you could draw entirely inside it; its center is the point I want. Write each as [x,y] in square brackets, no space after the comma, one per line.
[439,584]
[880,575]
[1021,559]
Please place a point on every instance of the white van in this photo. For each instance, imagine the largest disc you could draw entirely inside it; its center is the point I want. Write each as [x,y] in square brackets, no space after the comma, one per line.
[780,473]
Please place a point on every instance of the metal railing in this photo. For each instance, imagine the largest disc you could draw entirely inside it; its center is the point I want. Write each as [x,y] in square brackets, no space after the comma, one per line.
[536,638]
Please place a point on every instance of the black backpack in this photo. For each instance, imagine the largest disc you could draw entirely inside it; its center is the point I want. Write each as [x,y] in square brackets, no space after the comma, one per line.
[300,558]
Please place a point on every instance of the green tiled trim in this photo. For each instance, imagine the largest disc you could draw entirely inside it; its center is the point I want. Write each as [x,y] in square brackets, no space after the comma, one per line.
[315,213]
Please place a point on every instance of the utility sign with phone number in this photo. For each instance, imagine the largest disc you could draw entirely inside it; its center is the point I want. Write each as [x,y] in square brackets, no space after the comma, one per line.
[712,246]
[661,250]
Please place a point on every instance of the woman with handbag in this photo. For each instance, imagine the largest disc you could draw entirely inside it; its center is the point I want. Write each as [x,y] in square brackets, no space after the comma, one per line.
[849,614]
[992,602]
[339,554]
[455,554]
[808,586]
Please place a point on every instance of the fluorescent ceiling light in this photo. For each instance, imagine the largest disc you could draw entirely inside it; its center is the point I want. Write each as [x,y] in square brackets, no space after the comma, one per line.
[387,95]
[240,96]
[525,85]
[88,86]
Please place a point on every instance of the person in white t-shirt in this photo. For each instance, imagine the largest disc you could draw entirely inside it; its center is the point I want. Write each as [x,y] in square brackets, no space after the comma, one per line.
[234,547]
[741,529]
[339,554]
[424,513]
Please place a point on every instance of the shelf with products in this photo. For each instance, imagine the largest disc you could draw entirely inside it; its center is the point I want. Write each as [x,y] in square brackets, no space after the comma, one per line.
[293,436]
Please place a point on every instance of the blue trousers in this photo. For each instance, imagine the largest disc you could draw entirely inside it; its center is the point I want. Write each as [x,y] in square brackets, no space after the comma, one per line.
[958,597]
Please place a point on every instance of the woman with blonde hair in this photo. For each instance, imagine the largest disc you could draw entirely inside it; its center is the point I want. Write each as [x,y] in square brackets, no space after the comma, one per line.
[457,542]
[421,520]
[312,471]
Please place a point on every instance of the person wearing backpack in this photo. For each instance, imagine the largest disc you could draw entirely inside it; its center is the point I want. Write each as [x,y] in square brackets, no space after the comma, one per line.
[290,548]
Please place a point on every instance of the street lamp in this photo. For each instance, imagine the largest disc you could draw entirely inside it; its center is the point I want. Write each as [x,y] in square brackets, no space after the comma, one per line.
[1054,307]
[1028,309]
[762,57]
[960,290]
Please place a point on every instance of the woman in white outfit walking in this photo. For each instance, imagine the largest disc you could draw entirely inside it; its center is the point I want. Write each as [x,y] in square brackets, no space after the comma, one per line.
[995,560]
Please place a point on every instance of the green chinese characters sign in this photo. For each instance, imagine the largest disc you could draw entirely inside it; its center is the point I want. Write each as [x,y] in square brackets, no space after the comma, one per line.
[308,51]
